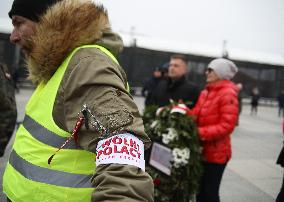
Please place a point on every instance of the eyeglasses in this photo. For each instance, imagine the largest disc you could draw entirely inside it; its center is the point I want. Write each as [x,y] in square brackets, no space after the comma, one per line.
[209,70]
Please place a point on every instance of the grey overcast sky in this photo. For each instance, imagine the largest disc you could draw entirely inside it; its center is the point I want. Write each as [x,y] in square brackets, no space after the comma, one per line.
[252,25]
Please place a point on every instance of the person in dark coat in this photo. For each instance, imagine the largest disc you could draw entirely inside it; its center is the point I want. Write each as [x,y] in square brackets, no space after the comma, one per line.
[176,87]
[281,104]
[151,83]
[280,161]
[254,100]
[8,109]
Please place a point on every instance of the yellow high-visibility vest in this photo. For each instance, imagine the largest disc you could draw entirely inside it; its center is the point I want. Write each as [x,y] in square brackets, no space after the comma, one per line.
[28,177]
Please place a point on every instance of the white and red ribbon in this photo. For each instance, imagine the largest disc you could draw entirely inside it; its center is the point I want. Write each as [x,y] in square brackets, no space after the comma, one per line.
[180,108]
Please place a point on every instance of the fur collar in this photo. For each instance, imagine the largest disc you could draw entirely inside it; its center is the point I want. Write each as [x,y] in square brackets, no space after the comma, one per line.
[65,26]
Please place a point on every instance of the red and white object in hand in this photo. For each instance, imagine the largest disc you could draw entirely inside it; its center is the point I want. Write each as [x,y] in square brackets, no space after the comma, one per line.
[181,108]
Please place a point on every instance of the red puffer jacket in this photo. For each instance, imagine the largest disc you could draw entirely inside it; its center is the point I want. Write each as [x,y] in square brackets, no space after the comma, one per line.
[217,114]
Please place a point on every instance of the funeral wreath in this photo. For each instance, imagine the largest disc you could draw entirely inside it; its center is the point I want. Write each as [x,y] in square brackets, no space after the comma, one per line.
[176,131]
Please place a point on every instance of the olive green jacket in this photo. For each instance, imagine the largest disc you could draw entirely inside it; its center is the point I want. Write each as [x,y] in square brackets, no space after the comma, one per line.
[7,93]
[91,78]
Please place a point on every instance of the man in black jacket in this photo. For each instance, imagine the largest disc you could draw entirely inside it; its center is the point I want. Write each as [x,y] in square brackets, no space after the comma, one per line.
[176,87]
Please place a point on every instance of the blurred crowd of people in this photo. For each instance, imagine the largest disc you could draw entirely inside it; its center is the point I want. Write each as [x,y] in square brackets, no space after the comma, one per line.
[216,109]
[170,82]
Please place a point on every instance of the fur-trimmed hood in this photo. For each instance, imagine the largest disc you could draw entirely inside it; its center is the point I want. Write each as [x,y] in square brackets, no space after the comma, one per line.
[66,25]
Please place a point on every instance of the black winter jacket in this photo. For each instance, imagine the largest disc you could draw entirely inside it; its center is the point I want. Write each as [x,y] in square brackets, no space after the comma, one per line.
[181,89]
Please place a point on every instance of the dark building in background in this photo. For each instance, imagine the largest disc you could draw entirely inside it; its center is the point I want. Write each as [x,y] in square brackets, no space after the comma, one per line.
[139,63]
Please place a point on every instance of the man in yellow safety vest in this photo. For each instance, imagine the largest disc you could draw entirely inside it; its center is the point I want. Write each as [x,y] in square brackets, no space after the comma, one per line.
[82,92]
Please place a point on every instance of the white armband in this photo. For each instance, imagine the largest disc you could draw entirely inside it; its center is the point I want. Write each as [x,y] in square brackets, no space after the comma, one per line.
[122,149]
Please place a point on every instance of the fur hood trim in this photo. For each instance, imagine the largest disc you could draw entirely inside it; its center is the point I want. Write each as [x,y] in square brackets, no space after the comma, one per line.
[66,25]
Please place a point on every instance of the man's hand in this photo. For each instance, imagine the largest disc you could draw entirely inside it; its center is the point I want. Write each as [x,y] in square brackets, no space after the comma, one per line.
[8,76]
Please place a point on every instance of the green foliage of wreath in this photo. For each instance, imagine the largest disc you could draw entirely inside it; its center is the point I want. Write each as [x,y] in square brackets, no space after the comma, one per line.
[183,182]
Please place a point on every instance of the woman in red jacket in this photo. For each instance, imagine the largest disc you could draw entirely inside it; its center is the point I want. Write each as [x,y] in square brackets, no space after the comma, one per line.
[216,114]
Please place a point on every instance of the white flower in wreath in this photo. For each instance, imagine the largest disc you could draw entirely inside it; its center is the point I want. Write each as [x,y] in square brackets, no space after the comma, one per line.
[180,157]
[154,124]
[170,136]
[165,139]
[159,110]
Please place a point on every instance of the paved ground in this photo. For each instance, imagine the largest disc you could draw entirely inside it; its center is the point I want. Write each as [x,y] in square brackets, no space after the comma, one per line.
[251,175]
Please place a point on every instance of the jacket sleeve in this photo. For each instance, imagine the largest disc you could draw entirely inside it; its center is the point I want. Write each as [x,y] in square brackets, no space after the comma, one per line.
[97,81]
[116,182]
[228,109]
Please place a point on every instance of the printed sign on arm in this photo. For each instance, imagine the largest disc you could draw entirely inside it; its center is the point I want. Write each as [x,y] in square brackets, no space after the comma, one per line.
[121,149]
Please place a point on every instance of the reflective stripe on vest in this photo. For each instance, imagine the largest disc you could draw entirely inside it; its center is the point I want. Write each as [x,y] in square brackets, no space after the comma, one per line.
[48,176]
[45,136]
[28,177]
